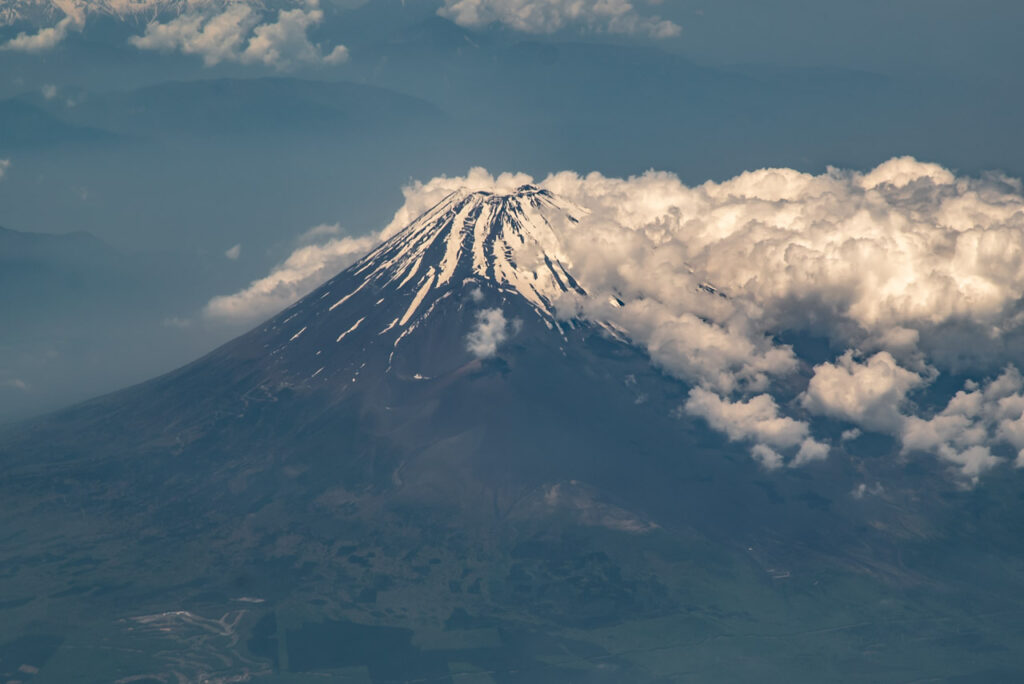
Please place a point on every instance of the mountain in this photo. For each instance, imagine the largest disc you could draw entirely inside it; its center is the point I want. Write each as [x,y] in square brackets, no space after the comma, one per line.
[24,125]
[29,11]
[425,471]
[45,274]
[81,317]
[237,107]
[32,248]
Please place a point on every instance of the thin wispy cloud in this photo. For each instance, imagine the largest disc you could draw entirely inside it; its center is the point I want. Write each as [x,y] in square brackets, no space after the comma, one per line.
[45,38]
[303,270]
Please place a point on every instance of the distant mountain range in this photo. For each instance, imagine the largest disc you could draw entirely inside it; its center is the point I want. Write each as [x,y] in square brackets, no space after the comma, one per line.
[243,106]
[74,309]
[219,107]
[26,125]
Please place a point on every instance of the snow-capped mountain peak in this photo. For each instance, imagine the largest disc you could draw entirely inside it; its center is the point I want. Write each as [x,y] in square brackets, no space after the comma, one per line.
[425,288]
[509,240]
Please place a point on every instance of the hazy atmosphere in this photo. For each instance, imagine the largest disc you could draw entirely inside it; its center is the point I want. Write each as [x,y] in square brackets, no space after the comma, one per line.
[512,340]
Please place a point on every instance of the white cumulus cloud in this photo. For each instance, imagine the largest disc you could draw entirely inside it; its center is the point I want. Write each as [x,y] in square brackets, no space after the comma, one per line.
[766,456]
[757,420]
[239,32]
[243,31]
[549,16]
[723,354]
[489,333]
[870,394]
[976,419]
[963,433]
[855,256]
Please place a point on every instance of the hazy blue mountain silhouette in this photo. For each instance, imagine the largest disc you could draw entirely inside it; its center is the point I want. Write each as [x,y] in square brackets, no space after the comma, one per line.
[25,125]
[238,107]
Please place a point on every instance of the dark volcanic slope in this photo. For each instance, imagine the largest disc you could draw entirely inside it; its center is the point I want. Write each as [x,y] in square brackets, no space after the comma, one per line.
[348,490]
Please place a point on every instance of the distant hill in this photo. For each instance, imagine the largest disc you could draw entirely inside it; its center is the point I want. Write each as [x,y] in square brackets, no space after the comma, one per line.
[24,125]
[236,107]
[78,316]
[39,269]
